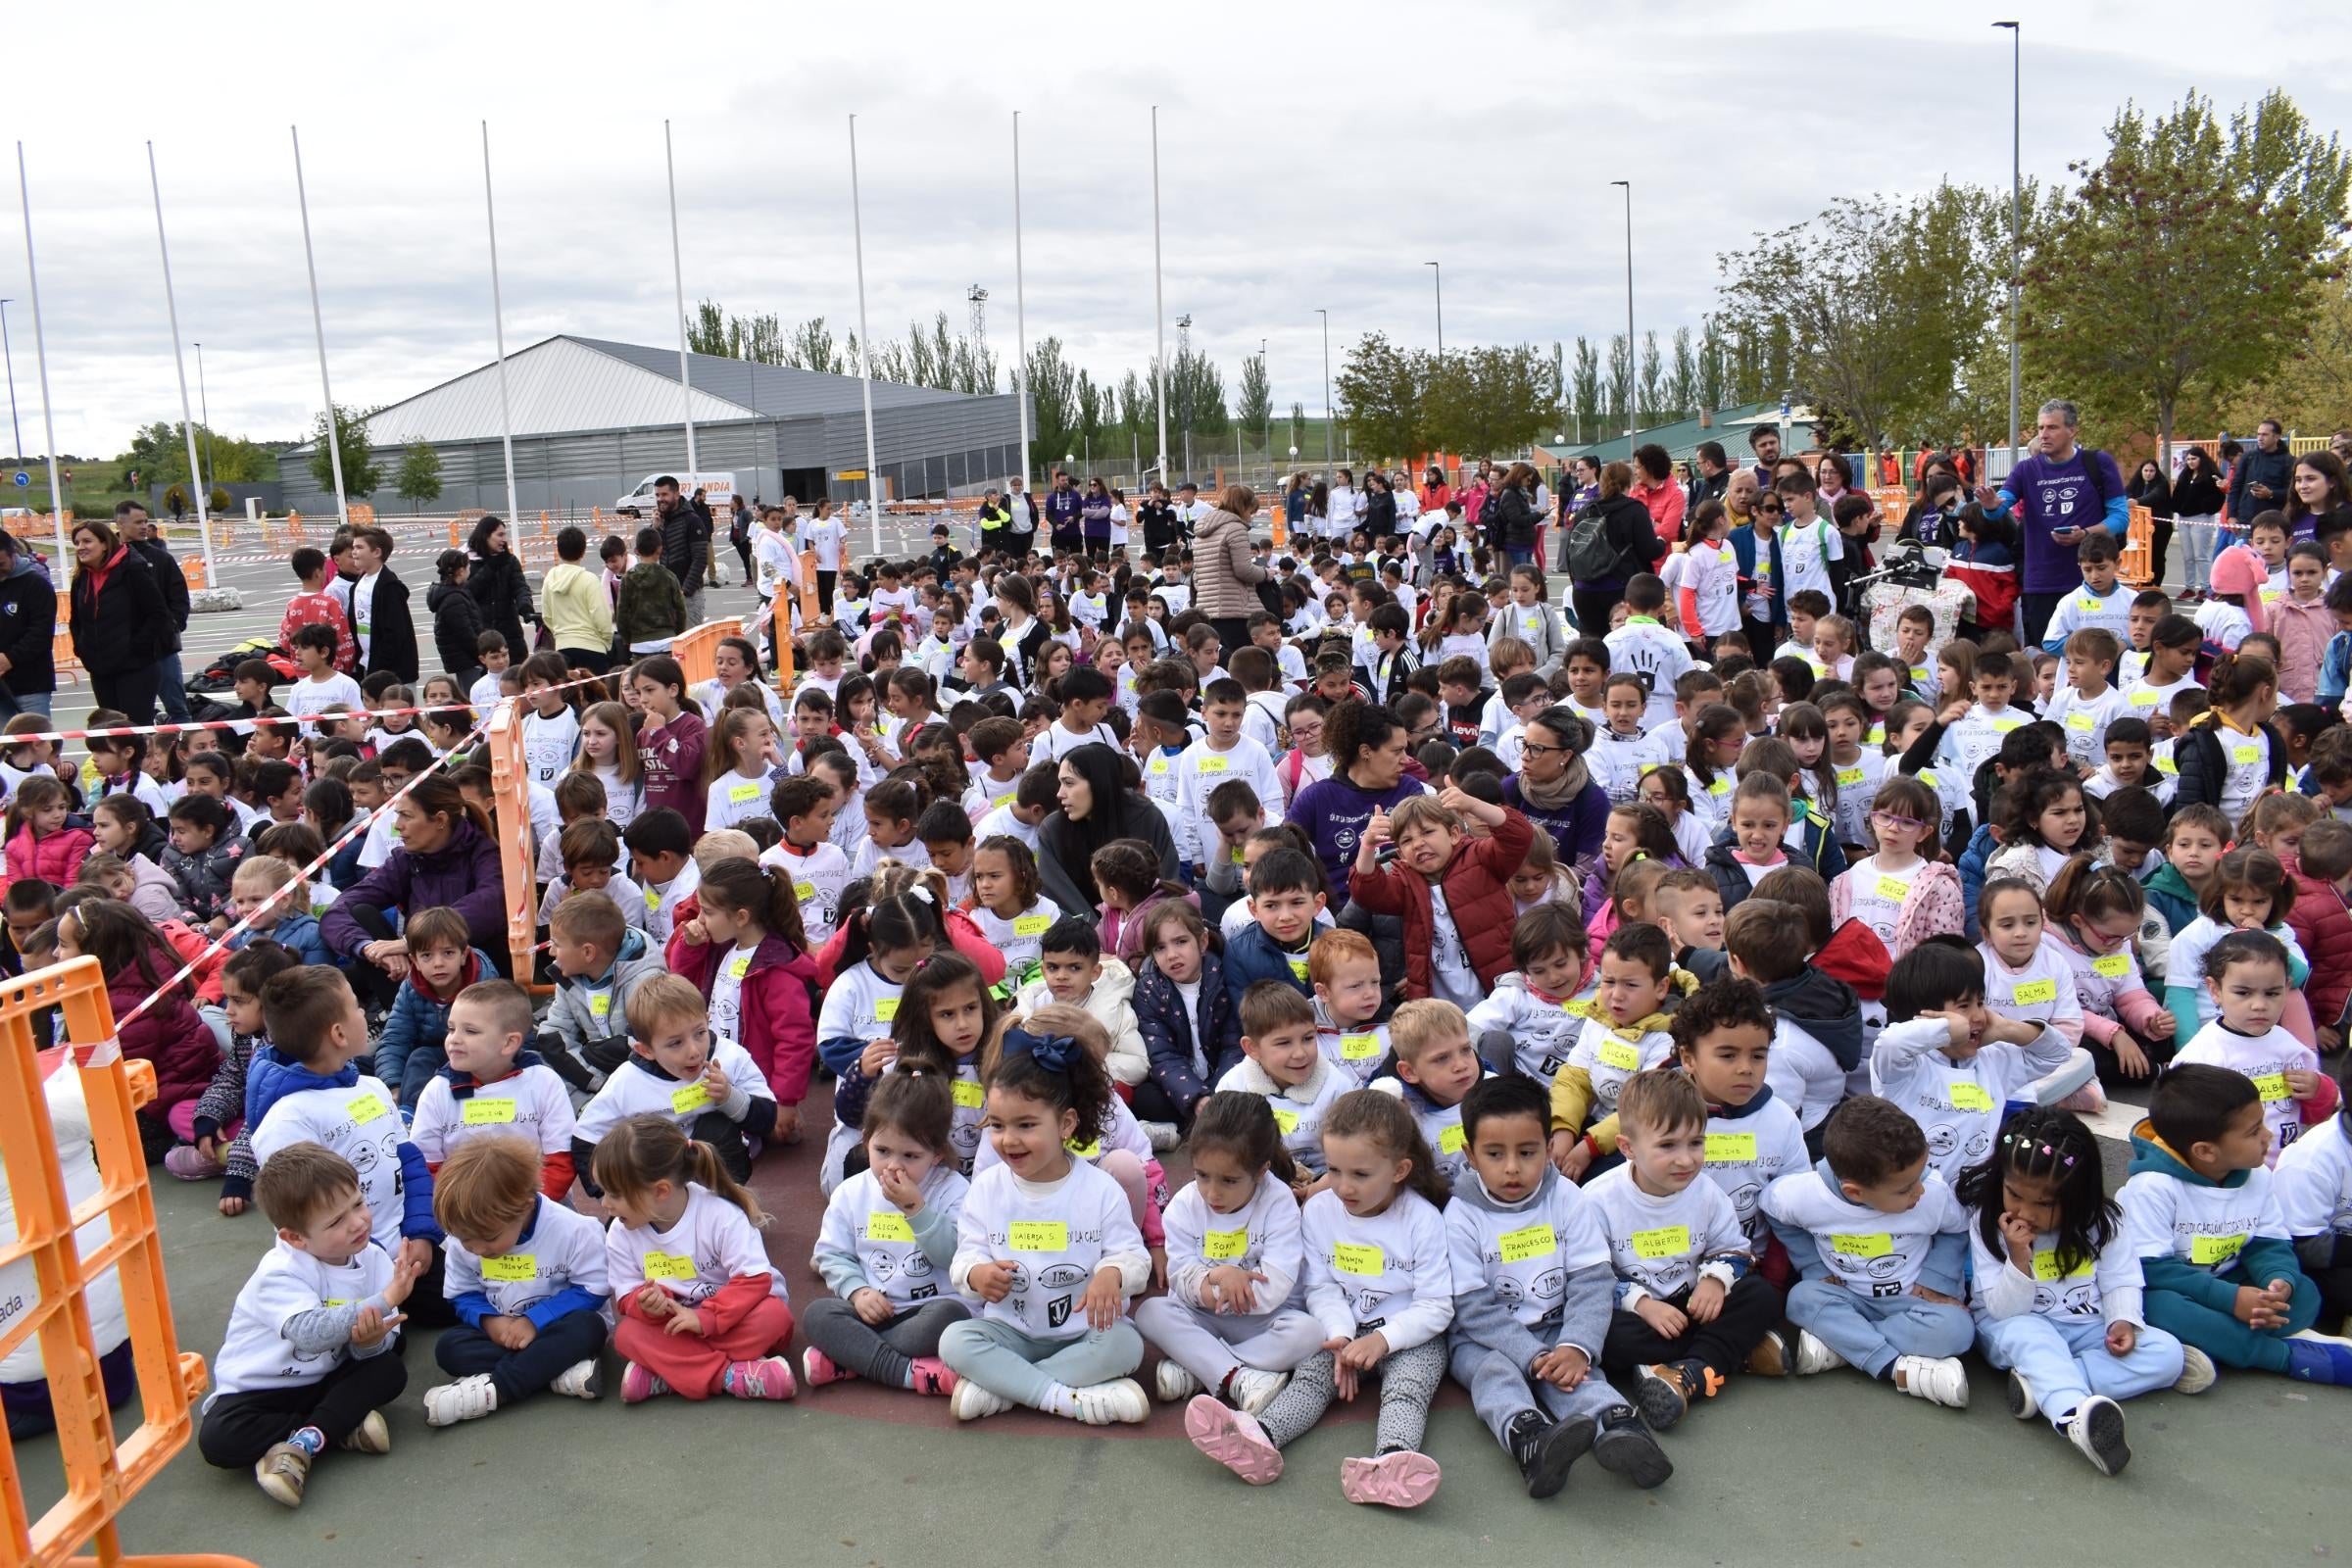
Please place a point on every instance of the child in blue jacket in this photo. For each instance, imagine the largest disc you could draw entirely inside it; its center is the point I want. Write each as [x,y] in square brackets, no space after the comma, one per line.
[1189,1047]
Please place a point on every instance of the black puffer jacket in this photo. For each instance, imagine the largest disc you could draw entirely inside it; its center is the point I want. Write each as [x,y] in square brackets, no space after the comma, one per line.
[1511,518]
[457,626]
[1627,526]
[498,585]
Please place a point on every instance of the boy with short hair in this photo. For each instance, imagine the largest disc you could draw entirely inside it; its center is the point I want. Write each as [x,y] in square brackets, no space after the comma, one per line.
[601,963]
[590,850]
[1435,1067]
[1464,698]
[1345,970]
[1286,895]
[1624,1033]
[1646,648]
[1687,907]
[1033,800]
[2194,841]
[660,846]
[1912,629]
[1881,1244]
[1809,543]
[1223,753]
[1086,699]
[317,604]
[1951,1064]
[1388,659]
[2148,606]
[1236,813]
[2102,603]
[323,686]
[491,652]
[1530,1355]
[310,1359]
[676,1068]
[1806,607]
[1283,1063]
[1073,971]
[1526,1023]
[1623,750]
[1452,891]
[2128,750]
[494,1085]
[820,869]
[945,835]
[2202,1212]
[1162,732]
[2087,700]
[1587,668]
[1971,741]
[527,1275]
[1001,750]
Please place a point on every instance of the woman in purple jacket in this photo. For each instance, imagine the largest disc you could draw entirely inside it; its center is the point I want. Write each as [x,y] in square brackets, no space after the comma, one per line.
[1553,789]
[447,858]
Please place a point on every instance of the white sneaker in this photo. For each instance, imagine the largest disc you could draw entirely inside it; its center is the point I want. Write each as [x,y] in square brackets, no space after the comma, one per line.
[2198,1372]
[2022,1404]
[1252,1390]
[2098,1428]
[467,1399]
[1813,1355]
[1175,1383]
[579,1381]
[1102,1405]
[1164,1135]
[970,1402]
[1937,1379]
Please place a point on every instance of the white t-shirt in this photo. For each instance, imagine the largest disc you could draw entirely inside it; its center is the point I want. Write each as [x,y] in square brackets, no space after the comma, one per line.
[733,797]
[2315,1181]
[2042,992]
[309,695]
[2085,720]
[1959,1105]
[1020,938]
[1806,551]
[639,1088]
[358,1122]
[531,1104]
[1525,1253]
[1299,1110]
[1875,892]
[712,1243]
[1749,1152]
[818,876]
[2202,1225]
[560,1250]
[1057,1235]
[1542,1033]
[1451,977]
[288,1283]
[1389,1271]
[1658,1243]
[865,1224]
[2266,1058]
[550,743]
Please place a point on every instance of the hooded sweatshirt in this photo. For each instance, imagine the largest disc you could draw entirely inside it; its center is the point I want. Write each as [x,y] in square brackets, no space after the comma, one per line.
[2199,1238]
[595,1008]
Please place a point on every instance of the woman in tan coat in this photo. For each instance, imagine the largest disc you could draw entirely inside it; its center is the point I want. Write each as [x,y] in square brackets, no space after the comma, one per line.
[1224,578]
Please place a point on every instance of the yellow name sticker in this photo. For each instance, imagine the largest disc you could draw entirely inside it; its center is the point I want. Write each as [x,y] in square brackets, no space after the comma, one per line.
[739,965]
[1532,1240]
[1351,1257]
[1866,1244]
[488,1112]
[1668,1241]
[1893,888]
[1032,925]
[2271,1085]
[1092,1148]
[689,1099]
[364,1109]
[2143,698]
[2111,965]
[1849,778]
[1038,1236]
[1721,786]
[1617,1053]
[2210,1250]
[653,898]
[2245,756]
[1299,967]
[668,1266]
[1212,765]
[599,1004]
[804,891]
[1360,1048]
[1453,1139]
[972,1096]
[1971,1097]
[1730,1149]
[513,1269]
[885,1008]
[1225,1245]
[2046,1267]
[2033,991]
[1287,1121]
[741,793]
[883,1226]
[2084,722]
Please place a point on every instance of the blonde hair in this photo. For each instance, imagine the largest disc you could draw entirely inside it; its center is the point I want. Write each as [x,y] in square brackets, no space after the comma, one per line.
[486,1185]
[724,844]
[1421,1024]
[1421,811]
[265,871]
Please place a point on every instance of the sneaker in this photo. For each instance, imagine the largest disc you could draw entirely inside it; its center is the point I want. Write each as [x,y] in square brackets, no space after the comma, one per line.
[2317,1338]
[469,1398]
[2098,1428]
[281,1474]
[1813,1355]
[1399,1480]
[371,1435]
[1164,1135]
[1252,1389]
[1175,1383]
[579,1381]
[1546,1452]
[1119,1402]
[970,1402]
[930,1375]
[1233,1439]
[637,1385]
[1937,1379]
[1770,1357]
[2318,1360]
[183,1161]
[2198,1372]
[1659,1395]
[2020,1398]
[769,1378]
[819,1369]
[1626,1447]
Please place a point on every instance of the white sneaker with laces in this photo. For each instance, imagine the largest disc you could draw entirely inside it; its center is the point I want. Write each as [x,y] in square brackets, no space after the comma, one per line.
[2098,1428]
[1252,1390]
[1175,1383]
[1813,1355]
[469,1398]
[2197,1373]
[1937,1379]
[1102,1405]
[1164,1135]
[970,1402]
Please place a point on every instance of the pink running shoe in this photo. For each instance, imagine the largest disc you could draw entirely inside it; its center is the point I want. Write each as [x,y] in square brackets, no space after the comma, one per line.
[931,1376]
[1401,1479]
[1233,1440]
[819,1369]
[769,1378]
[637,1385]
[183,1161]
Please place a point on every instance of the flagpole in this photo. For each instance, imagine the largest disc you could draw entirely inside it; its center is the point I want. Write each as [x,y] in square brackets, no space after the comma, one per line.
[498,324]
[187,422]
[865,350]
[334,431]
[1020,302]
[1159,315]
[41,350]
[677,273]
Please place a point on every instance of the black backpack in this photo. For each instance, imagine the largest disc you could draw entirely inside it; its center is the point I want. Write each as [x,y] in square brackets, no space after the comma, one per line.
[1591,557]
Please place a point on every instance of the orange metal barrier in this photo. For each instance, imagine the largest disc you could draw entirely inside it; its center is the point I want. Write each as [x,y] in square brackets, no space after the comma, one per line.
[2137,565]
[697,649]
[518,855]
[102,1475]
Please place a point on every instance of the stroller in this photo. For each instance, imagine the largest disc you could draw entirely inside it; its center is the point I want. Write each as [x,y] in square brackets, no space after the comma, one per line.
[1914,574]
[220,675]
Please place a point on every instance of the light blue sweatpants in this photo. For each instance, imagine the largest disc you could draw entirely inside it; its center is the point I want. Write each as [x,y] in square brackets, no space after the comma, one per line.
[1501,1393]
[1011,1365]
[1871,1332]
[2067,1362]
[1212,1346]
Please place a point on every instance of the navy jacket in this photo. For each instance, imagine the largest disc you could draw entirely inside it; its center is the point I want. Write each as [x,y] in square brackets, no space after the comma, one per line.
[1253,957]
[1169,1036]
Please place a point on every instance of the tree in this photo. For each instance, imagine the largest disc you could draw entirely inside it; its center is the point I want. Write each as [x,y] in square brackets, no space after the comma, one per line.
[420,478]
[1682,387]
[1491,401]
[1053,397]
[2312,391]
[1714,368]
[1619,393]
[218,502]
[1653,404]
[810,347]
[360,476]
[1093,407]
[1297,425]
[1256,408]
[160,454]
[1584,390]
[1379,389]
[2189,257]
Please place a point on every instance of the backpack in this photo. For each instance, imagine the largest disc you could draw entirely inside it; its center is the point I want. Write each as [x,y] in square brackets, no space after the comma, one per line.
[1590,556]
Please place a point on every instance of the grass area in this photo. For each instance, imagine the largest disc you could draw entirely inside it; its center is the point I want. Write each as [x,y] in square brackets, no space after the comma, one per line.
[92,492]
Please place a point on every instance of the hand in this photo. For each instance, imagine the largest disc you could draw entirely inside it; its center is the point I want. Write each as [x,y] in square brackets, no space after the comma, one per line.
[876,1059]
[1159,1267]
[1342,1376]
[208,1147]
[788,1124]
[1563,1366]
[2133,1060]
[233,1206]
[2017,1240]
[509,1333]
[897,1186]
[1576,1161]
[1953,711]
[370,1326]
[2263,1309]
[1376,831]
[693,933]
[1706,1301]
[2010,1031]
[410,1265]
[1987,495]
[1937,1297]
[1230,1287]
[2122,1338]
[1106,1296]
[1956,1022]
[715,1081]
[685,1320]
[2302,1083]
[2330,1039]
[655,1303]
[872,1307]
[991,1282]
[1667,1321]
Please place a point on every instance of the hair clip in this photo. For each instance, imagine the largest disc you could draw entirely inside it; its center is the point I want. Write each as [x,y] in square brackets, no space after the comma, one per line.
[919,891]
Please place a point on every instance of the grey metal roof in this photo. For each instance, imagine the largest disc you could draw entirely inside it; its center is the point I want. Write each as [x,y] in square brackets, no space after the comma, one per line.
[775,390]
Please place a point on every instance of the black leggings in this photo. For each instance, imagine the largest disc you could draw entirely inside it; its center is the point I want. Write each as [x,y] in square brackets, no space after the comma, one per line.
[1592,607]
[1151,1103]
[129,692]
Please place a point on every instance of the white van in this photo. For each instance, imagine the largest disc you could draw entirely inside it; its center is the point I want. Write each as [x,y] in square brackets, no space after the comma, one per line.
[718,489]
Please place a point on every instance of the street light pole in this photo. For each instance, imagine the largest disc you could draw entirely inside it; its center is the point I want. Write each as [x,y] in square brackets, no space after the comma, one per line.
[204,407]
[1439,273]
[2017,188]
[10,356]
[1633,367]
[1327,464]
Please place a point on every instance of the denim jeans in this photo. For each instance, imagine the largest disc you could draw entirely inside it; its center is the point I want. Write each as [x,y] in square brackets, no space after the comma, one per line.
[169,689]
[13,703]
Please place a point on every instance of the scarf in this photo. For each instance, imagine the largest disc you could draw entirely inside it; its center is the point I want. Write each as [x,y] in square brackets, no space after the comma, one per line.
[1559,796]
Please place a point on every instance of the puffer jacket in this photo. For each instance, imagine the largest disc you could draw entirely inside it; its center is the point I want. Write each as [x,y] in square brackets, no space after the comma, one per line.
[2323,927]
[1511,520]
[55,859]
[1170,1036]
[204,878]
[1224,578]
[1478,896]
[419,1022]
[776,1018]
[457,626]
[2303,632]
[574,1015]
[170,1034]
[1111,1003]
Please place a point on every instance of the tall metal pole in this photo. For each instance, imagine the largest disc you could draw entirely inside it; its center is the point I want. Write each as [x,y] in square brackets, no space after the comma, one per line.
[1261,369]
[40,351]
[865,352]
[1159,317]
[1020,302]
[1439,274]
[2017,220]
[179,364]
[1633,364]
[10,356]
[677,275]
[1327,421]
[498,331]
[203,412]
[334,428]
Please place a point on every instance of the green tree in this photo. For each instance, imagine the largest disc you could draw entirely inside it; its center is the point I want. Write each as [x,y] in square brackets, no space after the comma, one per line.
[362,477]
[160,454]
[1297,425]
[420,478]
[2190,258]
[1378,390]
[1654,405]
[218,502]
[1053,400]
[1618,391]
[1256,406]
[811,347]
[1682,387]
[1094,410]
[1583,390]
[1491,401]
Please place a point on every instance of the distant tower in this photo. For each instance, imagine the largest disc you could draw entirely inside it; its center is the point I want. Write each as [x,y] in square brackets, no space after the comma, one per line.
[977,298]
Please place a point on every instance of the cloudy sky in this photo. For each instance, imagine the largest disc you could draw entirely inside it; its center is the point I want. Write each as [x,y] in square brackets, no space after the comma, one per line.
[1310,156]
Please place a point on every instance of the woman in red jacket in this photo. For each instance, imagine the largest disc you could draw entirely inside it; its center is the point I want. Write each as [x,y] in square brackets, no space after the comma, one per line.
[170,1034]
[1460,951]
[746,951]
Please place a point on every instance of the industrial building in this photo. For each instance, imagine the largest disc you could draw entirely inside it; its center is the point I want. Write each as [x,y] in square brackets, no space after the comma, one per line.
[592,419]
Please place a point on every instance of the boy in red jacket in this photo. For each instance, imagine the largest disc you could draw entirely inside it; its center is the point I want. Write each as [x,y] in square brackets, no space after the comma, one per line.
[2322,920]
[1452,892]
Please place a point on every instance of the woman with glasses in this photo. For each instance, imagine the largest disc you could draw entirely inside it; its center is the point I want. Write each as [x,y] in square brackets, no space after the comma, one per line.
[1553,789]
[1755,514]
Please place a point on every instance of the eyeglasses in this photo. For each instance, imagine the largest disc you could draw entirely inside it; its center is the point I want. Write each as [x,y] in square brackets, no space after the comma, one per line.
[1892,819]
[1772,509]
[1530,749]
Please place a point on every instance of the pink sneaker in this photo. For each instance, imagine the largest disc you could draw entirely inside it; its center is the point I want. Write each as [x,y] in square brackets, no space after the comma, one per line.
[769,1378]
[1233,1440]
[819,1369]
[638,1385]
[931,1376]
[183,1161]
[1401,1479]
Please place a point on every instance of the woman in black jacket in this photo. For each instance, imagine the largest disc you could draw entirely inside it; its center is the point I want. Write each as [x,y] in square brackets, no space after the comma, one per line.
[456,620]
[2196,503]
[1102,800]
[1626,529]
[119,620]
[1380,507]
[1514,520]
[498,586]
[2150,489]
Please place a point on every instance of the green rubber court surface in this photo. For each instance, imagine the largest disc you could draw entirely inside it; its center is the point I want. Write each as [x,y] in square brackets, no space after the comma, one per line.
[1831,1467]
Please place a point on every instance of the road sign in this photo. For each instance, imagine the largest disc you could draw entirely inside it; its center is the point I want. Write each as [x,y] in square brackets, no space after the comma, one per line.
[23,480]
[850,474]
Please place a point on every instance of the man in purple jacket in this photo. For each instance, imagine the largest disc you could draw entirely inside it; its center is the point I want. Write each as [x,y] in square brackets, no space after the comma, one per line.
[1062,521]
[2064,491]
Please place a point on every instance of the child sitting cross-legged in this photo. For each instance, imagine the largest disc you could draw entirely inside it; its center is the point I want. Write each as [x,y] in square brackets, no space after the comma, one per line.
[1624,1033]
[216,1142]
[525,1273]
[1437,1064]
[1283,1063]
[1949,1062]
[494,1086]
[1191,1031]
[310,1359]
[600,963]
[706,1087]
